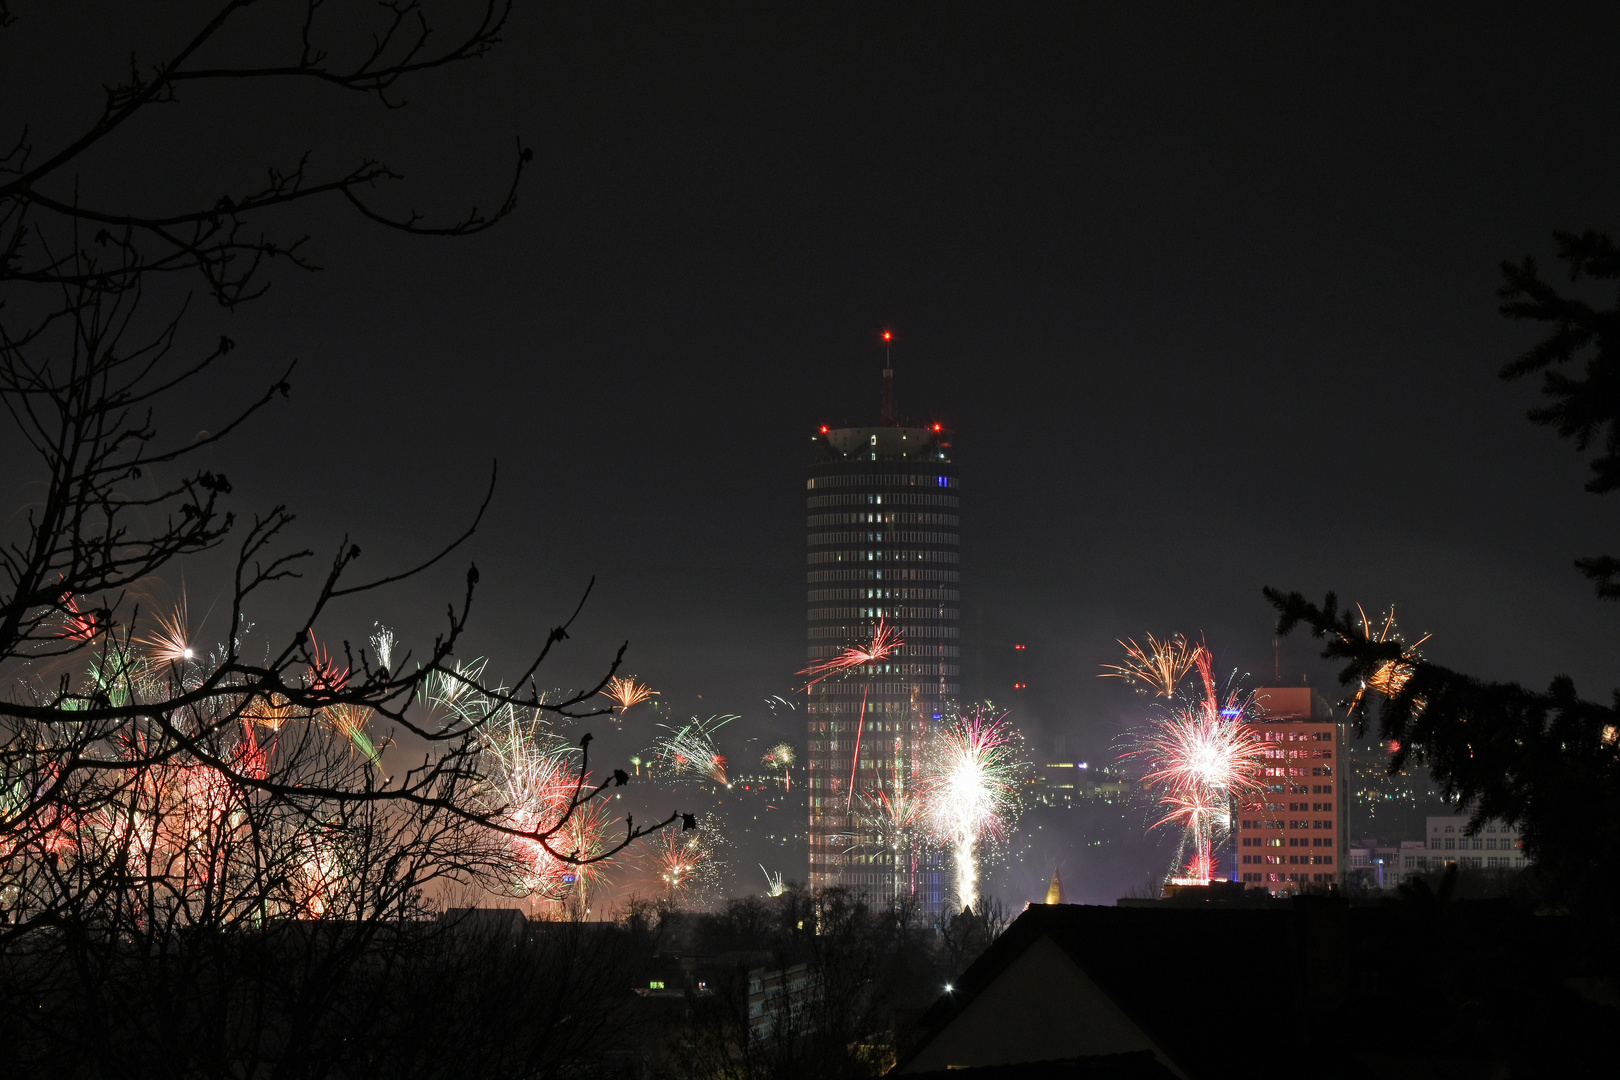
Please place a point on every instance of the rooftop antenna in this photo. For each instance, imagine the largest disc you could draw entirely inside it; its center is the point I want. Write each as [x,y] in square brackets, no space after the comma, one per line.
[888,419]
[1276,660]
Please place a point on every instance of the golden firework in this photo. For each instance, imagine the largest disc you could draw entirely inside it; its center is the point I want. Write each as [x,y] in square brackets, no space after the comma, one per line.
[627,692]
[1391,677]
[1159,666]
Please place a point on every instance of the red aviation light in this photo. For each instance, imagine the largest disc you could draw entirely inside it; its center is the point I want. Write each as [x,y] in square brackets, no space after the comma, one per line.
[887,336]
[824,429]
[936,427]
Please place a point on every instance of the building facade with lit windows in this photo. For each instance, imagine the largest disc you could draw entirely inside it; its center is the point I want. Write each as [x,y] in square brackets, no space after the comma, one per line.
[1496,846]
[1291,836]
[883,548]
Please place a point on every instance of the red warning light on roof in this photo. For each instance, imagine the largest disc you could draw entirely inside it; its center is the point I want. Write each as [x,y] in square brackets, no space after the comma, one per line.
[1018,646]
[824,429]
[887,336]
[936,427]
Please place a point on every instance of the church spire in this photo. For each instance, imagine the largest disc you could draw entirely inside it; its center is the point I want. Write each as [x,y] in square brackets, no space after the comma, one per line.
[1054,892]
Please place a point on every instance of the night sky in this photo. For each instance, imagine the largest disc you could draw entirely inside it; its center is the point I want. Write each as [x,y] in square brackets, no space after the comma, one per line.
[1207,297]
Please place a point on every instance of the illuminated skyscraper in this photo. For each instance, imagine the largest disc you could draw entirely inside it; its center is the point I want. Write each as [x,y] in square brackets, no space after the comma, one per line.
[883,548]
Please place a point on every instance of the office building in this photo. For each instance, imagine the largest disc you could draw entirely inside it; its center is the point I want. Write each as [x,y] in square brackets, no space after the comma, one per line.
[883,550]
[1497,846]
[1291,836]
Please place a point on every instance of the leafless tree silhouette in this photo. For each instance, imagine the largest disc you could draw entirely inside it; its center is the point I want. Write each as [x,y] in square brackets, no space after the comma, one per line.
[138,782]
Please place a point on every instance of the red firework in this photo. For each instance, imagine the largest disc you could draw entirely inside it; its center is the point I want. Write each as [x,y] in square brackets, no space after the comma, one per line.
[885,640]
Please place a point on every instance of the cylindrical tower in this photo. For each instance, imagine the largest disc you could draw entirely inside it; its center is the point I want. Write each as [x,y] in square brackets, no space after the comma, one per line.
[884,535]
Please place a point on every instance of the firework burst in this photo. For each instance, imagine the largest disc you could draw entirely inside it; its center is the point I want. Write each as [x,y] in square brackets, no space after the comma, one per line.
[1159,666]
[1391,676]
[691,749]
[170,643]
[1201,758]
[885,640]
[382,645]
[686,863]
[625,693]
[350,721]
[970,789]
[531,779]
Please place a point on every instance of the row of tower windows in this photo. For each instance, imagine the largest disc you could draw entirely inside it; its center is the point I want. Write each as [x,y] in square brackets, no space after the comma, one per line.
[822,707]
[817,596]
[816,501]
[881,517]
[882,556]
[897,611]
[891,536]
[859,689]
[871,480]
[927,671]
[910,648]
[833,727]
[816,577]
[860,632]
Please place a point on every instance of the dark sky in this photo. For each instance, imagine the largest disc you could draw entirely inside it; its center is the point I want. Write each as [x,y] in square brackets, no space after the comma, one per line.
[1206,295]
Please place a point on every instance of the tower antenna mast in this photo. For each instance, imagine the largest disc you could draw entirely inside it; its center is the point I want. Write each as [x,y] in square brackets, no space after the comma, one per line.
[888,419]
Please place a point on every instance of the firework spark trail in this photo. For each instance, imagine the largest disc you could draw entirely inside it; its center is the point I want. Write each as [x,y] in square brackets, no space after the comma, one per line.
[781,756]
[885,640]
[170,642]
[894,819]
[691,748]
[626,692]
[971,790]
[531,780]
[773,882]
[1201,758]
[1392,675]
[350,720]
[347,720]
[382,644]
[686,863]
[1160,666]
[855,762]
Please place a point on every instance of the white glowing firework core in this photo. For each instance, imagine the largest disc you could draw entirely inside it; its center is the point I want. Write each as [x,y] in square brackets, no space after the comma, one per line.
[972,792]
